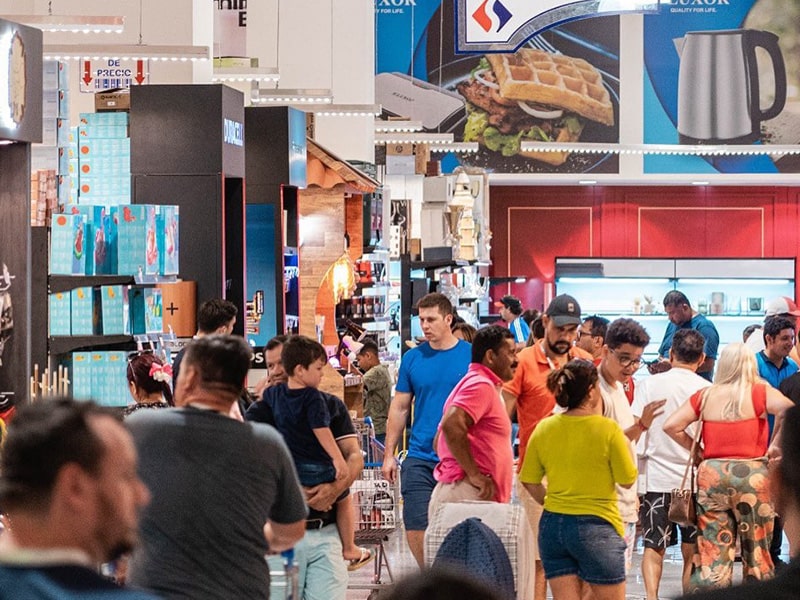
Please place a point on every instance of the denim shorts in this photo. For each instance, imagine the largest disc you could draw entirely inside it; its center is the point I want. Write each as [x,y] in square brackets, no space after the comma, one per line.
[582,545]
[416,487]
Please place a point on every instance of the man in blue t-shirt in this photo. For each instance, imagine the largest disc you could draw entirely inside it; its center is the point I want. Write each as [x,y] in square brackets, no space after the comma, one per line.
[428,373]
[510,312]
[682,316]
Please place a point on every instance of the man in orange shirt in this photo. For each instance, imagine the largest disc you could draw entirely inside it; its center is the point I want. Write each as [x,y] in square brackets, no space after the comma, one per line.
[528,392]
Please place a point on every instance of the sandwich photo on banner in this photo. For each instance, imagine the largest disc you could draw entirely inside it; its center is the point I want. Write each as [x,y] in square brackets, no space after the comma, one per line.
[561,86]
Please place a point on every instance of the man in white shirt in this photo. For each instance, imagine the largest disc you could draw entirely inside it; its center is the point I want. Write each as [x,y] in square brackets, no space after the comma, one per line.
[666,460]
[621,357]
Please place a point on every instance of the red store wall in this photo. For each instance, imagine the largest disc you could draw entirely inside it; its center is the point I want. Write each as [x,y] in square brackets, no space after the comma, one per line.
[533,225]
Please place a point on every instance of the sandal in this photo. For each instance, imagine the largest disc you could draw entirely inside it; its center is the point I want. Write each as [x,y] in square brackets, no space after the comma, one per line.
[357,563]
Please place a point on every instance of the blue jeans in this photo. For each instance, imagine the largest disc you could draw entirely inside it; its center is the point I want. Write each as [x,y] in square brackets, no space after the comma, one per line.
[582,545]
[312,474]
[322,573]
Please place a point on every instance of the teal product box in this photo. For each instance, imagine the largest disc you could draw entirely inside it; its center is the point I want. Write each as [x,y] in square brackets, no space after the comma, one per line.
[169,241]
[153,311]
[81,376]
[60,313]
[105,166]
[98,187]
[155,228]
[131,238]
[63,103]
[92,218]
[67,244]
[115,390]
[55,75]
[94,132]
[63,161]
[62,132]
[134,310]
[104,119]
[108,233]
[112,309]
[50,104]
[83,320]
[97,360]
[104,147]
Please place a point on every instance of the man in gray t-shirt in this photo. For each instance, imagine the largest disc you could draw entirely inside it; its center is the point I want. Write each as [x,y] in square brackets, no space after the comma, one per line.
[224,492]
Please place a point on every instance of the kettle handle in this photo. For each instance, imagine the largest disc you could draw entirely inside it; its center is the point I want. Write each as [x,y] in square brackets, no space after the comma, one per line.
[769,42]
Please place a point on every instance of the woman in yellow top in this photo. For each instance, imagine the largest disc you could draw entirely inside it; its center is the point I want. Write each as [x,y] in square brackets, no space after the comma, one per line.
[582,454]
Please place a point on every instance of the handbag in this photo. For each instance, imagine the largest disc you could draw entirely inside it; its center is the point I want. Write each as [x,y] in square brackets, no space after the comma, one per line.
[681,507]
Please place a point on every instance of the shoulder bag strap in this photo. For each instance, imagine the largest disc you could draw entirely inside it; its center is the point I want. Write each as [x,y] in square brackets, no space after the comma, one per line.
[695,441]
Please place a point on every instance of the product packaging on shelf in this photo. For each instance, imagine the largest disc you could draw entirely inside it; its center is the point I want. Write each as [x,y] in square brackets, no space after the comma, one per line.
[112,309]
[169,240]
[81,376]
[131,239]
[67,244]
[84,321]
[152,235]
[60,313]
[134,310]
[153,322]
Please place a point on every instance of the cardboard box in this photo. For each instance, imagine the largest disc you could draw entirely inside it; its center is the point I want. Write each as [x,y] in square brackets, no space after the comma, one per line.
[153,310]
[399,149]
[112,100]
[67,244]
[422,155]
[116,379]
[169,241]
[131,240]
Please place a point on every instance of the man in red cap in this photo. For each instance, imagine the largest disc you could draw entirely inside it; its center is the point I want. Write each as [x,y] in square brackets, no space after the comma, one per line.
[781,306]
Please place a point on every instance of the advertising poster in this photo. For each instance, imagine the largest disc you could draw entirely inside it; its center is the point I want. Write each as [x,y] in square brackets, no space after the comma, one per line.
[722,72]
[561,85]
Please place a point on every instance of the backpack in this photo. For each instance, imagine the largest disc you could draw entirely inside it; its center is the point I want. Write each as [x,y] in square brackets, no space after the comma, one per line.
[474,549]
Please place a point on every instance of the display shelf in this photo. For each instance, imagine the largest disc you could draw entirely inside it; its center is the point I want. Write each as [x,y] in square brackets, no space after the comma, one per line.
[63,344]
[64,283]
[429,265]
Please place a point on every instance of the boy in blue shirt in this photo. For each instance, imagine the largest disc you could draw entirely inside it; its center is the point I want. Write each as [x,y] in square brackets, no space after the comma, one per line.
[300,412]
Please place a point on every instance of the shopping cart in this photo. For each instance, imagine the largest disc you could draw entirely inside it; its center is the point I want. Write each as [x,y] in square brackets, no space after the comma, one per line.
[283,581]
[376,502]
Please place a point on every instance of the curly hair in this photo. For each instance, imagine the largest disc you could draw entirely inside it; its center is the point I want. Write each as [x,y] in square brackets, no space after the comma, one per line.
[626,331]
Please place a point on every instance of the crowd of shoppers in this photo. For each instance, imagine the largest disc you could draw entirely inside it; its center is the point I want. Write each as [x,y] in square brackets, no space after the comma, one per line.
[198,491]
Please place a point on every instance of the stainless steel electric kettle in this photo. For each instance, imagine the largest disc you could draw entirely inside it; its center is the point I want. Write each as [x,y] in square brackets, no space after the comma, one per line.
[718,87]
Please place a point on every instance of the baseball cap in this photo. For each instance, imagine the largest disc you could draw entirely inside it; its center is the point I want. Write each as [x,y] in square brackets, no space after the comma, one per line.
[512,303]
[564,310]
[781,305]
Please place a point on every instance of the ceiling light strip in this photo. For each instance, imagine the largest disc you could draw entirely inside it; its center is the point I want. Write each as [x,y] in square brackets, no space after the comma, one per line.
[349,110]
[413,138]
[457,147]
[70,23]
[125,52]
[382,126]
[245,74]
[666,149]
[293,96]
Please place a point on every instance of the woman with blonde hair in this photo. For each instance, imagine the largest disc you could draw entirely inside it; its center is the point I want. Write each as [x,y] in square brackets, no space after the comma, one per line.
[732,492]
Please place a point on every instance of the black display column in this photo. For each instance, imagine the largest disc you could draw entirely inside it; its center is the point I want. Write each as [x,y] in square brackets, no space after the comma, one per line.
[187,149]
[21,316]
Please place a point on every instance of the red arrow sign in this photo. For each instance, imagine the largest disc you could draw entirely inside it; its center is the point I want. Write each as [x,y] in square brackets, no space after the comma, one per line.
[139,71]
[87,72]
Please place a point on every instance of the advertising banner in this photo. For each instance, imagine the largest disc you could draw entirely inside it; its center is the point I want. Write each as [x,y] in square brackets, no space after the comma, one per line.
[560,86]
[722,72]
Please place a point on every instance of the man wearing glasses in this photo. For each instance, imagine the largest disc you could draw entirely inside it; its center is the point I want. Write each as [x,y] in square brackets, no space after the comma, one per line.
[621,357]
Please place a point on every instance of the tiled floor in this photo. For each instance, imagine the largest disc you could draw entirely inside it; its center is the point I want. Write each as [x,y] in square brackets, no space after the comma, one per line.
[402,564]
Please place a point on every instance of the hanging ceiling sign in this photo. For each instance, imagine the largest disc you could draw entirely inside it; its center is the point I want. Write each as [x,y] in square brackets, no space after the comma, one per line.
[504,25]
[111,74]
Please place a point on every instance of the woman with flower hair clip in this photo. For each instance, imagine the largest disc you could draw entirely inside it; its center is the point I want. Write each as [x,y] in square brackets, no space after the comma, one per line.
[148,382]
[582,454]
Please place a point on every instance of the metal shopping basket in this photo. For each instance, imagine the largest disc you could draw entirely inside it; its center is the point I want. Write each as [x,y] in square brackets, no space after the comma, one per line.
[283,580]
[376,502]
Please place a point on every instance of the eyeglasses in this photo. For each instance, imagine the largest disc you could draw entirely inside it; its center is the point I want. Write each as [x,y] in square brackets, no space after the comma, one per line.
[582,332]
[626,361]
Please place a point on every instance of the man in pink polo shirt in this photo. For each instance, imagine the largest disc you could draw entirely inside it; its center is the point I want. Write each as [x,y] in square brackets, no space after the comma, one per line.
[474,438]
